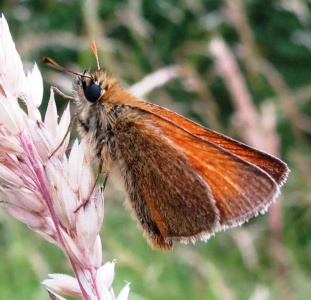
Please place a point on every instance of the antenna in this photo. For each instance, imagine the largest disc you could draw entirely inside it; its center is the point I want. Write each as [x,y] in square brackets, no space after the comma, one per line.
[55,65]
[94,49]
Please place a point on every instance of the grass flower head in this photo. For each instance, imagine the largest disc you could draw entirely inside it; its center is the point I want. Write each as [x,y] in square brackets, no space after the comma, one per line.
[44,191]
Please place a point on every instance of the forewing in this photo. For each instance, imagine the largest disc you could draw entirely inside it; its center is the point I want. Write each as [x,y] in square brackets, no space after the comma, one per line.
[242,180]
[241,189]
[272,165]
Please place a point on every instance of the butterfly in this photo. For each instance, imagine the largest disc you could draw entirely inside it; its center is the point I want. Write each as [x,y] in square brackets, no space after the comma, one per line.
[183,181]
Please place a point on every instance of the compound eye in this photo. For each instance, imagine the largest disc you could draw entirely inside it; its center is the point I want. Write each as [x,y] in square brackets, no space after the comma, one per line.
[92,92]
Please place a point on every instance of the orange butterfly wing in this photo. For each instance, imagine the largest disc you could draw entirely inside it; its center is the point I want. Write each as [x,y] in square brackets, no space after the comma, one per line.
[215,180]
[272,165]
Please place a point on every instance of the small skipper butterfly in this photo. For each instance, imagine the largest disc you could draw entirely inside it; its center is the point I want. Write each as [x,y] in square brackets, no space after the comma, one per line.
[184,182]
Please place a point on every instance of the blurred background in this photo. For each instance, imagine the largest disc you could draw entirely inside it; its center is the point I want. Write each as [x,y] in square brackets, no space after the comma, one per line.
[242,68]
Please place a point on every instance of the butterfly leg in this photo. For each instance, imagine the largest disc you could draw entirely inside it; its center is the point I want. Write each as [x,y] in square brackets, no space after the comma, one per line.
[100,168]
[59,92]
[65,136]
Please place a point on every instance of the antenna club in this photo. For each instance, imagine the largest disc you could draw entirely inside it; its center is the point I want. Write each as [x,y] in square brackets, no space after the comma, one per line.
[52,63]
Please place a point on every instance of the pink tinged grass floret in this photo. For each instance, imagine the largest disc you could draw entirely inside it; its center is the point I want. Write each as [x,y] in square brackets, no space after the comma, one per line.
[44,191]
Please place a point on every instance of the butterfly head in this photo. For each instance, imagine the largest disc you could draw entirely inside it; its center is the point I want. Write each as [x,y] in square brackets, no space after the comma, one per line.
[91,87]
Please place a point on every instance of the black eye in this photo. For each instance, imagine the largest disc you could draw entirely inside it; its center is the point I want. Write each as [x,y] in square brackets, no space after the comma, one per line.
[92,92]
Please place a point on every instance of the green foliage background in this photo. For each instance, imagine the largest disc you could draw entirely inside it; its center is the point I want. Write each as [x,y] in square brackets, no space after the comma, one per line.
[136,38]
